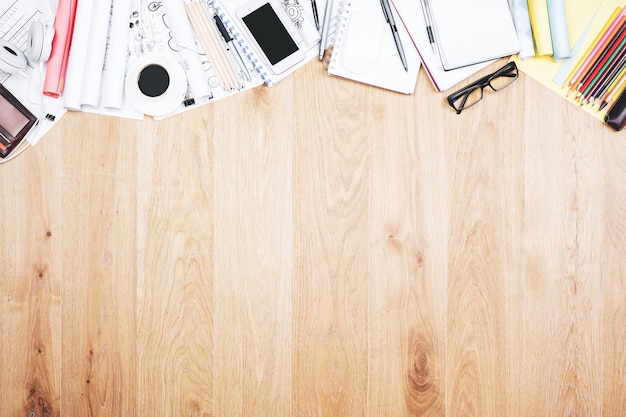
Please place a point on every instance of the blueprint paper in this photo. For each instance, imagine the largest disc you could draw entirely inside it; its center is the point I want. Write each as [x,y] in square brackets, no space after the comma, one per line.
[94,65]
[183,36]
[114,71]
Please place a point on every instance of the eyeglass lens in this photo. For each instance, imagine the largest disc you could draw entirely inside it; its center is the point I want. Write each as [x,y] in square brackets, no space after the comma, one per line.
[503,79]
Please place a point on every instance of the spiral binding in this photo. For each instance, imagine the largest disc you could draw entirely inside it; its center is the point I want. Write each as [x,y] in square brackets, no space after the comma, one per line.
[245,48]
[336,30]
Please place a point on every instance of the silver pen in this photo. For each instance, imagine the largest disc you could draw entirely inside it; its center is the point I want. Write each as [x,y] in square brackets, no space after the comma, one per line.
[394,31]
[325,28]
[429,25]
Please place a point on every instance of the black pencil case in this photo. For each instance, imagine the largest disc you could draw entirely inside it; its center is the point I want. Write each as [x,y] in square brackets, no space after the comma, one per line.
[616,116]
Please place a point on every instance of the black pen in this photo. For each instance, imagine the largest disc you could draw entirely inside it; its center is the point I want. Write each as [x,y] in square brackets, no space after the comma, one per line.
[394,31]
[316,16]
[229,42]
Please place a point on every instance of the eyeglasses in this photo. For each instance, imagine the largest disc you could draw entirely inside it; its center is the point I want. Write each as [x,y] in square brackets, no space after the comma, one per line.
[473,93]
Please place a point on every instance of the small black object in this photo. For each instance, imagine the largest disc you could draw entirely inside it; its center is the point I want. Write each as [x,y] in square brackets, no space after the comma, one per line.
[616,116]
[154,80]
[468,96]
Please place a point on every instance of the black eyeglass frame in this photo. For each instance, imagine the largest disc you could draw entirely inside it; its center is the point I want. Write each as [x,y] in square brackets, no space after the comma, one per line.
[481,83]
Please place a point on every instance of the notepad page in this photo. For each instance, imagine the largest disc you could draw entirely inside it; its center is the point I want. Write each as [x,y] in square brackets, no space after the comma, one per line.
[365,50]
[412,18]
[468,32]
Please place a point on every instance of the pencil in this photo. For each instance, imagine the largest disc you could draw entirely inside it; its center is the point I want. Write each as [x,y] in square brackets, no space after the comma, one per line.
[610,74]
[617,92]
[606,66]
[607,54]
[614,84]
[210,44]
[583,59]
[598,47]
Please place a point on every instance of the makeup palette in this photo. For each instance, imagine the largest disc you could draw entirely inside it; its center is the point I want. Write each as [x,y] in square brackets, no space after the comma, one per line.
[15,122]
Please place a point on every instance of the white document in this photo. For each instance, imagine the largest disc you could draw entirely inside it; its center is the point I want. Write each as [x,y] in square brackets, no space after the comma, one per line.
[469,32]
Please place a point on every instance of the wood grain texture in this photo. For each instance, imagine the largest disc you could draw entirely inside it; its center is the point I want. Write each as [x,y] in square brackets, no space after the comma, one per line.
[330,367]
[254,253]
[30,286]
[407,262]
[175,270]
[564,231]
[484,215]
[317,249]
[98,298]
[613,275]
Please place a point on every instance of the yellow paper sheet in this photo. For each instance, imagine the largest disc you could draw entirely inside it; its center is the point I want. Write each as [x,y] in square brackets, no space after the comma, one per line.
[580,14]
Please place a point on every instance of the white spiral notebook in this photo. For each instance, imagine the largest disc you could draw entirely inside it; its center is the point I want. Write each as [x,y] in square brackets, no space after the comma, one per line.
[364,49]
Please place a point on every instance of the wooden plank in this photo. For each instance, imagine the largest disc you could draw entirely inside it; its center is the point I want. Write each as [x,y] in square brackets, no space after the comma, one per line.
[486,218]
[564,236]
[614,280]
[407,259]
[253,253]
[30,293]
[330,283]
[175,267]
[99,268]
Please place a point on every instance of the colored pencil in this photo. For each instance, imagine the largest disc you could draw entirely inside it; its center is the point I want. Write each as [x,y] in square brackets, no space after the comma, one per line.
[605,56]
[606,67]
[599,47]
[618,90]
[610,74]
[584,58]
[614,84]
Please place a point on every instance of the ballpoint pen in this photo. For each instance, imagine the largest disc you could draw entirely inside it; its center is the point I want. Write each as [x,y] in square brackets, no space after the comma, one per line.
[394,31]
[325,24]
[429,26]
[229,41]
[316,16]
